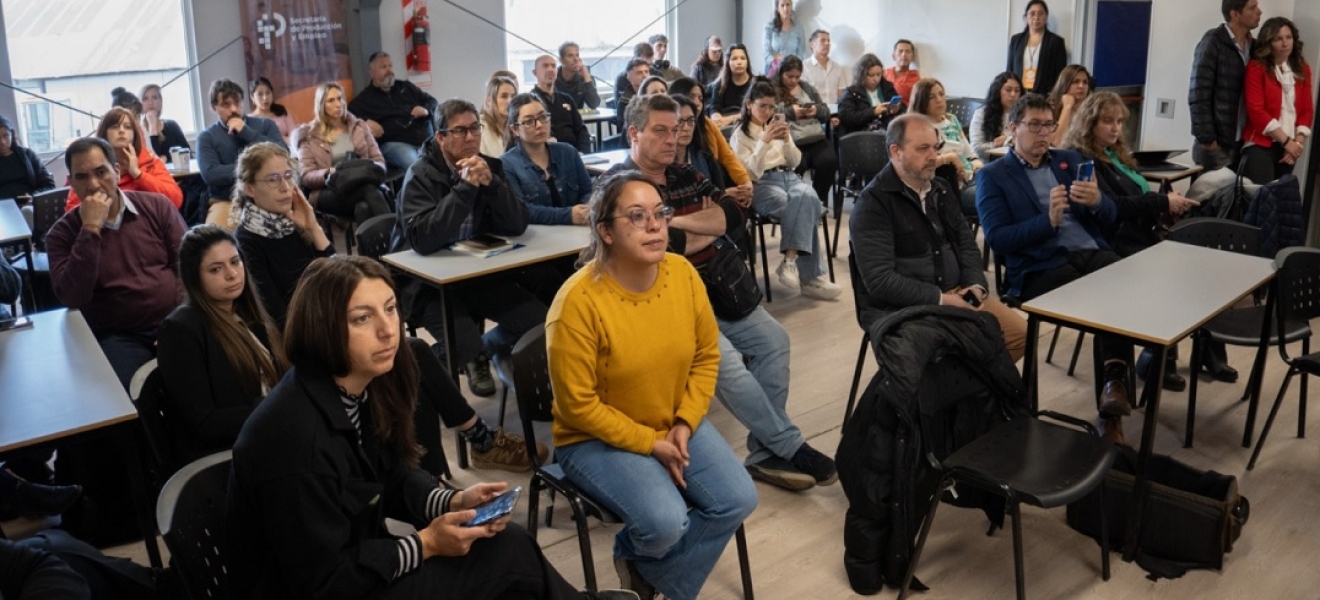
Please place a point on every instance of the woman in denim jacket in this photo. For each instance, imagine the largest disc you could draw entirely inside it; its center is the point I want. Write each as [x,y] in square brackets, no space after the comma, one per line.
[548,176]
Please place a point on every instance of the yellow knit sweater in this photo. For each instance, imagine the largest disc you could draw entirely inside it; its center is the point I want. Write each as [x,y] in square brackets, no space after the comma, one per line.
[626,366]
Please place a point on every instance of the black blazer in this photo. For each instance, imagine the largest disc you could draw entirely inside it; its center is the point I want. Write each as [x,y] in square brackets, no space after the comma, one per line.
[1137,225]
[204,401]
[1053,58]
[307,502]
[856,112]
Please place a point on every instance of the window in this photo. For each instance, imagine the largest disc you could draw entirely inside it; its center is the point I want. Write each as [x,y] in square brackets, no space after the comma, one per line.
[597,27]
[72,53]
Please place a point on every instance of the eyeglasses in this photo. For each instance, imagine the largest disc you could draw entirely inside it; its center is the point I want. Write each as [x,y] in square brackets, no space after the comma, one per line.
[1040,126]
[640,217]
[542,119]
[277,181]
[463,131]
[687,123]
[763,106]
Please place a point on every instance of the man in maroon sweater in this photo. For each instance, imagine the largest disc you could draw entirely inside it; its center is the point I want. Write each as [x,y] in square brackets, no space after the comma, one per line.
[114,257]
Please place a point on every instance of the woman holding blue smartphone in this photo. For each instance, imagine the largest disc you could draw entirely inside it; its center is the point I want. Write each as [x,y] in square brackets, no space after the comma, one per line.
[871,101]
[330,453]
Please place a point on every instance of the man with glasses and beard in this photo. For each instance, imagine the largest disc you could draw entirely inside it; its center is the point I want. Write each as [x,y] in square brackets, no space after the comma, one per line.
[1048,225]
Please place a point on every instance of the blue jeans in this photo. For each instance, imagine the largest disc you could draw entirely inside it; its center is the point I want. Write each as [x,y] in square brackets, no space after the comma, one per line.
[783,194]
[756,391]
[399,155]
[673,548]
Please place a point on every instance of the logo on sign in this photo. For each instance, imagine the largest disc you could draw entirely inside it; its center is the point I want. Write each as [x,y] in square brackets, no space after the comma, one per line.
[266,27]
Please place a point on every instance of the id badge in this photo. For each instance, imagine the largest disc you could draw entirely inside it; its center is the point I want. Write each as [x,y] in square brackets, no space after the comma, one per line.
[1029,79]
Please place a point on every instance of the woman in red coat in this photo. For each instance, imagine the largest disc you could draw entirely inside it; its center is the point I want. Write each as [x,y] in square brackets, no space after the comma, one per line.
[1279,103]
[139,168]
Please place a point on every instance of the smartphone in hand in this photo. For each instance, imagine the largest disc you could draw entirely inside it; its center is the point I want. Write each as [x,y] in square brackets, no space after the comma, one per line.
[1086,171]
[895,102]
[495,507]
[971,298]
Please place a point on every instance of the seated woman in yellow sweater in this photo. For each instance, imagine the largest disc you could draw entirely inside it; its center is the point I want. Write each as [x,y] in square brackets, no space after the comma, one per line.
[633,360]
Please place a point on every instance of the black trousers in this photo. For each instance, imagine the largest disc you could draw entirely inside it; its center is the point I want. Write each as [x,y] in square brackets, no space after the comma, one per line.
[505,567]
[1261,165]
[504,299]
[1080,263]
[438,400]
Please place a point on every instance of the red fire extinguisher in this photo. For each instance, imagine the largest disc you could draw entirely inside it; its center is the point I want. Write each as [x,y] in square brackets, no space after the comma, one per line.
[421,40]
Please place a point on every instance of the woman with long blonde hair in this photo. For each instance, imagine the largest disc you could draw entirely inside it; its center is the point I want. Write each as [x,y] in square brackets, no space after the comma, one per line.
[333,138]
[495,134]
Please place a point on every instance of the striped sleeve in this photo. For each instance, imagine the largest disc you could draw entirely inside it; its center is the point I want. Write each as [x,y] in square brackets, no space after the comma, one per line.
[438,502]
[410,555]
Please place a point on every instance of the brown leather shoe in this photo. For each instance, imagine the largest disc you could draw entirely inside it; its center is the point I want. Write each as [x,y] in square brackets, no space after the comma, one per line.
[1111,428]
[1114,397]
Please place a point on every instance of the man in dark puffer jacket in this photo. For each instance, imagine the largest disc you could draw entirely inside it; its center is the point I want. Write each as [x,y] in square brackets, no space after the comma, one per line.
[1219,68]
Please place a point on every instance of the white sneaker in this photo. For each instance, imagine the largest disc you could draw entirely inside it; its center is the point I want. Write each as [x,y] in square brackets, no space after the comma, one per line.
[821,288]
[788,273]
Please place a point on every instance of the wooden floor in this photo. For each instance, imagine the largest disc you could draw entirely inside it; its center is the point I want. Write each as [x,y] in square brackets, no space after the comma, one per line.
[796,539]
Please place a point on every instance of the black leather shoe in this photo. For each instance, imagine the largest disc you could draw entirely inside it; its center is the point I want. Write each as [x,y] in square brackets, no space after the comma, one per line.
[1114,397]
[1172,380]
[1216,363]
[44,500]
[1111,428]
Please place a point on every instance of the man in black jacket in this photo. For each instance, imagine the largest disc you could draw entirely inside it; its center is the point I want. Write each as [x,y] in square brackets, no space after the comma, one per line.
[398,113]
[565,123]
[450,194]
[1219,68]
[911,243]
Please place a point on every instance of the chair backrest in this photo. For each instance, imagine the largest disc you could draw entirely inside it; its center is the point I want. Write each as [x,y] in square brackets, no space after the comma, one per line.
[148,394]
[190,514]
[858,286]
[863,153]
[964,108]
[47,208]
[955,405]
[531,384]
[1298,282]
[373,235]
[1221,234]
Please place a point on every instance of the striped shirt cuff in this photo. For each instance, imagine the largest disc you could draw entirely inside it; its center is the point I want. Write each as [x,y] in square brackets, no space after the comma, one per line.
[438,502]
[410,555]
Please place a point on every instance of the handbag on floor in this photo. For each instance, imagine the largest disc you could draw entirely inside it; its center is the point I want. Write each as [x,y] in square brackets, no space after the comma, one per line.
[1192,517]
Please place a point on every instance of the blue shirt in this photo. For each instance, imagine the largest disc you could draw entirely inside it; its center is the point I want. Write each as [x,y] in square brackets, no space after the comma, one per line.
[529,183]
[1071,233]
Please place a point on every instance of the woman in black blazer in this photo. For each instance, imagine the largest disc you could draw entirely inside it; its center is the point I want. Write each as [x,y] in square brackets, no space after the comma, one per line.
[215,351]
[864,105]
[1037,55]
[330,454]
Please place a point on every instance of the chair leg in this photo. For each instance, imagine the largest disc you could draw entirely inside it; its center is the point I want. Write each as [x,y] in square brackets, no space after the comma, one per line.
[838,217]
[829,254]
[1104,535]
[1198,356]
[504,401]
[744,564]
[1049,355]
[857,377]
[584,543]
[1077,351]
[1019,572]
[1269,421]
[1301,396]
[765,261]
[533,500]
[921,539]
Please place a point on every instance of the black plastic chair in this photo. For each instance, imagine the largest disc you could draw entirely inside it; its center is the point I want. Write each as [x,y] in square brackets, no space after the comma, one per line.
[1024,460]
[859,300]
[47,208]
[1298,300]
[373,235]
[190,513]
[1235,326]
[148,396]
[964,109]
[531,375]
[862,155]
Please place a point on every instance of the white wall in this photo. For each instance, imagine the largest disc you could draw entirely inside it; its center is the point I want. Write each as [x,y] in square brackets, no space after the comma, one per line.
[696,21]
[963,43]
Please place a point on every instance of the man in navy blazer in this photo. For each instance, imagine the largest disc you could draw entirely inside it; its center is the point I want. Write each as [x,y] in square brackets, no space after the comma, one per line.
[1047,225]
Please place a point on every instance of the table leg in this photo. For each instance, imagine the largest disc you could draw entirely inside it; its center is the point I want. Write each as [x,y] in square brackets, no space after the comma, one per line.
[1255,381]
[1141,486]
[137,480]
[32,273]
[448,318]
[1029,362]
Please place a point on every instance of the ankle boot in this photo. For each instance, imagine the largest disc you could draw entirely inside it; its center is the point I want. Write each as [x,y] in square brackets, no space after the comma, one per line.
[1215,362]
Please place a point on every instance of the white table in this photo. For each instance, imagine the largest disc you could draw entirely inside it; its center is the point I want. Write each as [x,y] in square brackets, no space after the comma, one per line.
[1156,298]
[14,231]
[57,384]
[601,118]
[598,163]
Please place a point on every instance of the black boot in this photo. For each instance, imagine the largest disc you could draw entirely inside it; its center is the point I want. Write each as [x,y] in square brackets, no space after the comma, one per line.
[1172,380]
[1215,362]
